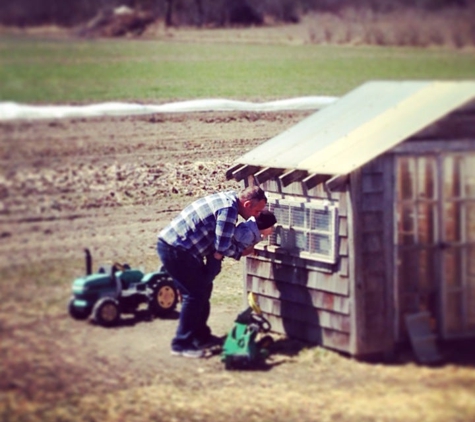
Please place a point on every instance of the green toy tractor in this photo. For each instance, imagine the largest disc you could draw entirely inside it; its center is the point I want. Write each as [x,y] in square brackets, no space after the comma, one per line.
[119,289]
[243,349]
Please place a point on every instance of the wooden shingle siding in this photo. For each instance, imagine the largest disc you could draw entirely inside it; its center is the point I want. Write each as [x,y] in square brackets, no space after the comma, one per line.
[305,299]
[371,182]
[299,294]
[331,283]
[305,314]
[344,267]
[372,201]
[373,282]
[342,225]
[331,338]
[268,254]
[343,247]
[372,221]
[343,204]
[374,310]
[375,264]
[372,251]
[373,242]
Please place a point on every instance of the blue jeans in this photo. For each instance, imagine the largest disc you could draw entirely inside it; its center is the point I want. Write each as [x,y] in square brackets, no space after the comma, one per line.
[213,267]
[194,279]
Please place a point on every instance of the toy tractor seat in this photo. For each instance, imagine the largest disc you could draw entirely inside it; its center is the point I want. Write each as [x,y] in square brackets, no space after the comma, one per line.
[111,270]
[128,277]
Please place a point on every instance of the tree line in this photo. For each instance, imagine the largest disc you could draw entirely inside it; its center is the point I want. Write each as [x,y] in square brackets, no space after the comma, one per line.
[219,13]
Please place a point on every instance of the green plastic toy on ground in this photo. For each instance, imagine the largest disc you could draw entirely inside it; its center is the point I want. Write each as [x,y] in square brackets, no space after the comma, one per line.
[242,348]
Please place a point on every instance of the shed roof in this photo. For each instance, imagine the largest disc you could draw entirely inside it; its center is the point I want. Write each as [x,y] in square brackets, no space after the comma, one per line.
[358,127]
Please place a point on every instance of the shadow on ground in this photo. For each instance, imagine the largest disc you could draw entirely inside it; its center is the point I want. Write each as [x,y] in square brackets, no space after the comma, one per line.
[141,316]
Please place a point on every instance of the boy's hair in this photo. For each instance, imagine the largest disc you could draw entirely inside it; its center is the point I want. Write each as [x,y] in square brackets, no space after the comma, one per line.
[265,220]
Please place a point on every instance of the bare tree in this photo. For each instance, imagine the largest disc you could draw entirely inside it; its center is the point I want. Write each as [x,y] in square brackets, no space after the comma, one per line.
[200,13]
[168,12]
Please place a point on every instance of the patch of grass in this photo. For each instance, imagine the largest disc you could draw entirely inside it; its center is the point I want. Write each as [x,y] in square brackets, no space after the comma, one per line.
[36,290]
[319,355]
[155,71]
[228,285]
[323,395]
[49,273]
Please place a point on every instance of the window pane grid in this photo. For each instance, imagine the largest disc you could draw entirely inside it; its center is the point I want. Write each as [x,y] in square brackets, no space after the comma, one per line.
[301,241]
[321,220]
[434,221]
[305,228]
[282,214]
[320,244]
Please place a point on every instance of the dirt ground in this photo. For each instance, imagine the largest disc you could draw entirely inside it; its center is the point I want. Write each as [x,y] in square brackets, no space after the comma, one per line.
[119,177]
[110,184]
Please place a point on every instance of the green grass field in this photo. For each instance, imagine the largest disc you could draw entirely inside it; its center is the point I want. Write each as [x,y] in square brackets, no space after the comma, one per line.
[55,71]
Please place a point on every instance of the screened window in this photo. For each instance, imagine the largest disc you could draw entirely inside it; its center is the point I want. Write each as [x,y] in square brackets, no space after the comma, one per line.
[306,229]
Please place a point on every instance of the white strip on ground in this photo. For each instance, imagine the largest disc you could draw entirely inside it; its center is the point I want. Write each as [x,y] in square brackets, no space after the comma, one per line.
[12,110]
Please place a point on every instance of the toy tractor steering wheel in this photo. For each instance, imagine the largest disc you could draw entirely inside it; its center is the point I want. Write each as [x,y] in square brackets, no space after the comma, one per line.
[121,267]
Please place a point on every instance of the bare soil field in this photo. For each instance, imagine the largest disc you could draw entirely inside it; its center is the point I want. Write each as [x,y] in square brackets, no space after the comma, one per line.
[115,176]
[110,184]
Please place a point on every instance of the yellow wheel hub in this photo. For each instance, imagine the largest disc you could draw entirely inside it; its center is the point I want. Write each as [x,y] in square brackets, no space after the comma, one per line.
[109,312]
[166,297]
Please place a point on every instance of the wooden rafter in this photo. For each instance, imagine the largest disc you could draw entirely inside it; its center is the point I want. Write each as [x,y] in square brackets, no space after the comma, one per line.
[292,176]
[229,172]
[267,173]
[336,182]
[314,180]
[243,172]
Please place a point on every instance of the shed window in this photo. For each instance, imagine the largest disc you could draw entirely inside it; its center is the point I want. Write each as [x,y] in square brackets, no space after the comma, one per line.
[306,229]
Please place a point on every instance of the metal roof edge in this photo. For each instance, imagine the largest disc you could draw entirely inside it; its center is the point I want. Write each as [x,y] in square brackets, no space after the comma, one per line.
[436,98]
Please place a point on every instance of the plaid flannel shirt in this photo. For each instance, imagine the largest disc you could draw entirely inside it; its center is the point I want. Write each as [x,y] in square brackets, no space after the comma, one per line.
[206,226]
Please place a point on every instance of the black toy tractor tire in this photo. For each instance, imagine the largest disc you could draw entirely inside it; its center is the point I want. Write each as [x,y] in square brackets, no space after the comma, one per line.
[265,342]
[106,312]
[77,313]
[164,298]
[228,364]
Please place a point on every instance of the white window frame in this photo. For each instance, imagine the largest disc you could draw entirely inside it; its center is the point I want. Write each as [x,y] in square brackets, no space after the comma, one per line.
[297,228]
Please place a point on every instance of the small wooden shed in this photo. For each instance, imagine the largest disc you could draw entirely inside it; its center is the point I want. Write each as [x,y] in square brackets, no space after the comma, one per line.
[375,201]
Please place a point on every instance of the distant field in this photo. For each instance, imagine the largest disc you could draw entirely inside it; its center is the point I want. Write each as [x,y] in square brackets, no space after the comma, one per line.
[68,71]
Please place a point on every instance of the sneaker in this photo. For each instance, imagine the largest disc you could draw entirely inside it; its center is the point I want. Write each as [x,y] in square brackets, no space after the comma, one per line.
[188,353]
[210,342]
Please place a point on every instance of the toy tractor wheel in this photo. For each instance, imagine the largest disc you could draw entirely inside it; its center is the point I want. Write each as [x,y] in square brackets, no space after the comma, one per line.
[228,364]
[106,312]
[76,312]
[164,298]
[265,342]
